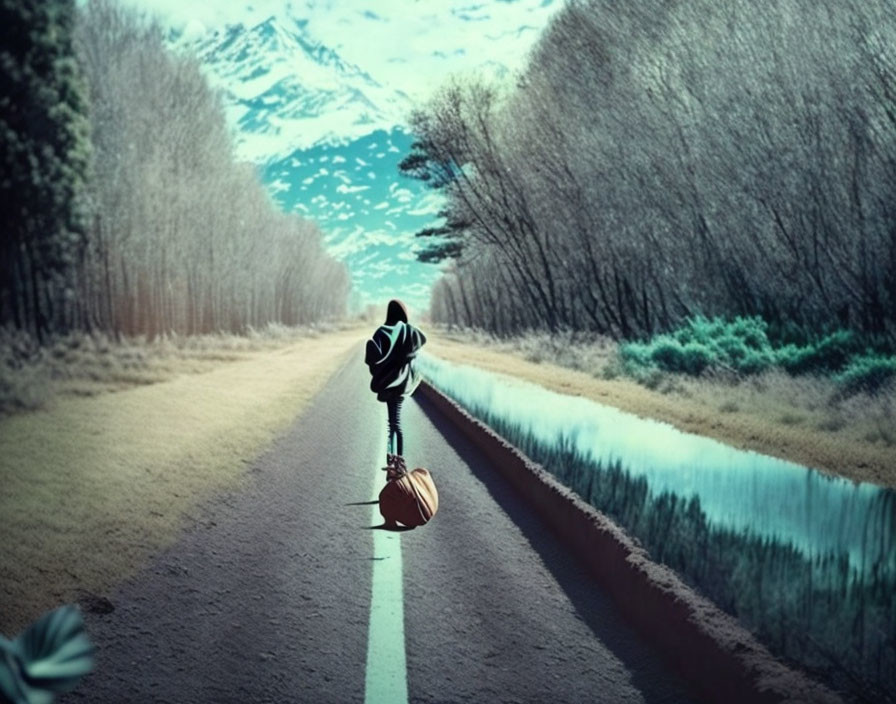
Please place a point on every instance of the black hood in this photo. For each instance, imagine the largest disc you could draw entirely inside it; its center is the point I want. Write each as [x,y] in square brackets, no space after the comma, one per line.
[395,312]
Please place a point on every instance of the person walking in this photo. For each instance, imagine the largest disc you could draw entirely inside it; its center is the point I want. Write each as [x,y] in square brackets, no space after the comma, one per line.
[389,355]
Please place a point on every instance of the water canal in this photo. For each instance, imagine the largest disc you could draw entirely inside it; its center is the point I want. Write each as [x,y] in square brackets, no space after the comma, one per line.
[805,560]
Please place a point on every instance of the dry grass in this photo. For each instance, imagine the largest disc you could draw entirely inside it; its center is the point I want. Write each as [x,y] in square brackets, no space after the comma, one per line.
[93,486]
[801,418]
[86,365]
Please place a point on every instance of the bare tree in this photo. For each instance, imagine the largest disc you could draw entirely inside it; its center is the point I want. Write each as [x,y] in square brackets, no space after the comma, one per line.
[183,238]
[657,160]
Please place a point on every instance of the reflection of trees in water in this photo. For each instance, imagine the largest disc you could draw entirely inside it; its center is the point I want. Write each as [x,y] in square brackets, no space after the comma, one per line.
[832,618]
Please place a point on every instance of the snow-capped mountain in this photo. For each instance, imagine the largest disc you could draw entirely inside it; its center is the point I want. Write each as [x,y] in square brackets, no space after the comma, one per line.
[327,131]
[283,90]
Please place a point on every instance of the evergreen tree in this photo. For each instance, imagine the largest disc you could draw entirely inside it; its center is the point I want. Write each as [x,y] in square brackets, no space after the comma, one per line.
[437,171]
[44,157]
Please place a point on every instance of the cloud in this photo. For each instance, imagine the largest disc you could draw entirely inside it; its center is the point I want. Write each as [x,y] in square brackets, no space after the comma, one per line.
[278,185]
[402,195]
[430,204]
[342,188]
[361,239]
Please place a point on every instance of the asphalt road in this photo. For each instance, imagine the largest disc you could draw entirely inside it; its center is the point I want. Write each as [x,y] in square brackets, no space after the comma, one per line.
[267,596]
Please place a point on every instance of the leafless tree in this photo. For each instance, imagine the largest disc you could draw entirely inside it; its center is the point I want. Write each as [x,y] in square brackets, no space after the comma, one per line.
[657,160]
[183,238]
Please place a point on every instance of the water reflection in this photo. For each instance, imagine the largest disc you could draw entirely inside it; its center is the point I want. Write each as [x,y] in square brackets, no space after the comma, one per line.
[805,560]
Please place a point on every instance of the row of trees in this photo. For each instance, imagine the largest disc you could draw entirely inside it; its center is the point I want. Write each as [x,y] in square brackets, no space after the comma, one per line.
[172,234]
[44,156]
[657,160]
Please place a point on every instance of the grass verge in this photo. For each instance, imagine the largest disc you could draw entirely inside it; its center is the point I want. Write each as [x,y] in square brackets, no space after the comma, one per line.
[93,486]
[32,376]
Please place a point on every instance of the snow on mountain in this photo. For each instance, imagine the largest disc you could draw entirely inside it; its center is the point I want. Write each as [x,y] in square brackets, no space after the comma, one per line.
[284,91]
[329,134]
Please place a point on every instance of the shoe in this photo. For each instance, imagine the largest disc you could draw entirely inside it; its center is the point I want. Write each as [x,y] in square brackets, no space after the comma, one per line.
[396,461]
[396,467]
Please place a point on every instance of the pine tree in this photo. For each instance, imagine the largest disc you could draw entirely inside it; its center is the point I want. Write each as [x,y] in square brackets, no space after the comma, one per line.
[437,172]
[44,158]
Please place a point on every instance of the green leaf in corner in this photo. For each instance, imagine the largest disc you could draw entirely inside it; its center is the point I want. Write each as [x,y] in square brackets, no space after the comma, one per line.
[11,688]
[54,653]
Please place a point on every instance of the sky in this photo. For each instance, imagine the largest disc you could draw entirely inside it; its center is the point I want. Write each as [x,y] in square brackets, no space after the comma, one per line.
[404,50]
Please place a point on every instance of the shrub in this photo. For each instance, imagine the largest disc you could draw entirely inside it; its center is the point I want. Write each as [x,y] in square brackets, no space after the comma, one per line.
[699,329]
[635,354]
[701,343]
[667,353]
[695,358]
[670,355]
[830,353]
[741,345]
[755,361]
[869,372]
[751,331]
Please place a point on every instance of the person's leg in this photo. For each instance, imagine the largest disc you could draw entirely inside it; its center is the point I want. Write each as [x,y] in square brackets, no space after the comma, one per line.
[394,408]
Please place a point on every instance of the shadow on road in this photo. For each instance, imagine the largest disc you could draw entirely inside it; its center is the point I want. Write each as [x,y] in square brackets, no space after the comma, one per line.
[592,604]
[393,529]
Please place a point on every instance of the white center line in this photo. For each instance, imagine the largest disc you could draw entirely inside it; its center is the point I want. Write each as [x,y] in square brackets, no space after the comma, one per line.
[386,680]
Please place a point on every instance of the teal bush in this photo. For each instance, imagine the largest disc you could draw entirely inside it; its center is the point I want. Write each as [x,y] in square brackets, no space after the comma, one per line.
[755,361]
[742,345]
[830,353]
[664,353]
[731,347]
[753,332]
[667,353]
[634,354]
[869,372]
[695,358]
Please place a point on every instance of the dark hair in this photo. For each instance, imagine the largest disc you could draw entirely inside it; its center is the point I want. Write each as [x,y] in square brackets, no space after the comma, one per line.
[395,312]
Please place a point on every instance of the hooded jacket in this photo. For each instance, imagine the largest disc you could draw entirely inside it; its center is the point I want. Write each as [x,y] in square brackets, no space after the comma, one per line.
[390,357]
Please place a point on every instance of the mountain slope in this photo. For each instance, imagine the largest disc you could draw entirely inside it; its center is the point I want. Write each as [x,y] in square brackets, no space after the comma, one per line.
[283,90]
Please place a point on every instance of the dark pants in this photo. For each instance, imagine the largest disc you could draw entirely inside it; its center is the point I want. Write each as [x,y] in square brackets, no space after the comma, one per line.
[394,408]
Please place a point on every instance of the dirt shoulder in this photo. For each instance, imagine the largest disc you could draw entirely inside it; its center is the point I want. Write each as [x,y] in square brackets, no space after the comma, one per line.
[94,486]
[740,426]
